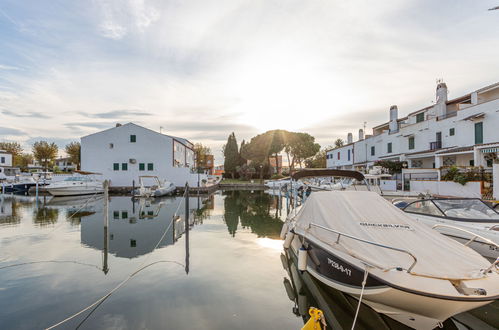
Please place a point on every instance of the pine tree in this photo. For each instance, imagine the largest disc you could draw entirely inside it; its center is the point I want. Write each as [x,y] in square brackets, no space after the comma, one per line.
[231,155]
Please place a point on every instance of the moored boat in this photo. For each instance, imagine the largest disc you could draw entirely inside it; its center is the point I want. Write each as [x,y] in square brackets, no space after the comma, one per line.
[468,220]
[75,185]
[359,243]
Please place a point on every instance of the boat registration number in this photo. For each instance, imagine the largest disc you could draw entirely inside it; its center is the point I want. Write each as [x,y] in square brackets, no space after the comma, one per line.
[339,267]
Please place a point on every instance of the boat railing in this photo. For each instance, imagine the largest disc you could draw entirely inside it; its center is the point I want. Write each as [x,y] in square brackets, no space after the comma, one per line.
[369,242]
[475,235]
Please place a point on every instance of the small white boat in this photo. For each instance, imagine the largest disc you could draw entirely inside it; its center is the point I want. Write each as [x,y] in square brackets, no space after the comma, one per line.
[468,220]
[157,189]
[359,243]
[277,184]
[75,185]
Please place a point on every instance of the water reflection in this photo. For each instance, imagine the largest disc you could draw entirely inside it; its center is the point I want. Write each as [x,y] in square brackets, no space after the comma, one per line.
[136,226]
[256,210]
[8,211]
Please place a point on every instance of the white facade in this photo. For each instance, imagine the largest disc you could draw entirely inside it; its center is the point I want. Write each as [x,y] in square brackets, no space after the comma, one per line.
[125,152]
[5,159]
[65,164]
[461,132]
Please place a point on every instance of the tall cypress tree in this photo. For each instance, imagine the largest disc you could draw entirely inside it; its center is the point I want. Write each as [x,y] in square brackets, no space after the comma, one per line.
[231,155]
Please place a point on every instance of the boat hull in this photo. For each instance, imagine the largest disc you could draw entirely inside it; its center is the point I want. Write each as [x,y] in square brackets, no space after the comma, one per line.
[74,191]
[418,310]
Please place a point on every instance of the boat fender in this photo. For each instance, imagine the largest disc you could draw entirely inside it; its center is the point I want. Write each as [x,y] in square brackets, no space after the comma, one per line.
[289,238]
[316,321]
[289,289]
[284,261]
[302,303]
[284,230]
[302,259]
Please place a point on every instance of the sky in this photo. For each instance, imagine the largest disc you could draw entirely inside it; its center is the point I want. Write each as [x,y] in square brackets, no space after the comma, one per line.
[202,69]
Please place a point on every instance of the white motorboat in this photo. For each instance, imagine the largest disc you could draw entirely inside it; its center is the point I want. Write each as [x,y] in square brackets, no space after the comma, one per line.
[157,189]
[76,185]
[468,220]
[277,184]
[359,243]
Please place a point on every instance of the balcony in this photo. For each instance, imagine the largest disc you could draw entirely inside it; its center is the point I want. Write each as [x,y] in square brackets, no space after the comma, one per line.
[447,115]
[435,145]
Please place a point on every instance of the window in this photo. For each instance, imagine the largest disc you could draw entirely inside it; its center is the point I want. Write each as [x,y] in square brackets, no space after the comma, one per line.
[478,133]
[423,207]
[373,151]
[452,131]
[116,214]
[472,162]
[142,167]
[348,154]
[133,243]
[111,145]
[133,138]
[150,213]
[2,160]
[150,166]
[124,214]
[389,147]
[420,117]
[338,155]
[124,166]
[411,143]
[116,166]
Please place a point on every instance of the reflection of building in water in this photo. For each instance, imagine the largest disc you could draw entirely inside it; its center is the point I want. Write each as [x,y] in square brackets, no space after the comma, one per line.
[135,227]
[8,214]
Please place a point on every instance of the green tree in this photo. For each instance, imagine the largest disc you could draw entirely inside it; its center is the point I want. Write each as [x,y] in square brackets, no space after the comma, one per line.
[300,146]
[231,155]
[73,150]
[24,159]
[45,152]
[339,143]
[318,160]
[201,153]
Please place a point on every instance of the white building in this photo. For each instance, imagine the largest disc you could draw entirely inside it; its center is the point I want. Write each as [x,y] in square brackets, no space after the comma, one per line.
[5,159]
[65,164]
[462,132]
[125,152]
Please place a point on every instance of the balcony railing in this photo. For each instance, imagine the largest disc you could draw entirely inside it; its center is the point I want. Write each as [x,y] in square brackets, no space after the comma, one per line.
[447,115]
[435,145]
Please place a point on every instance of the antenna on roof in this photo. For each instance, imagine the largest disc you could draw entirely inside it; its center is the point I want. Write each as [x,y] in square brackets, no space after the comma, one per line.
[160,129]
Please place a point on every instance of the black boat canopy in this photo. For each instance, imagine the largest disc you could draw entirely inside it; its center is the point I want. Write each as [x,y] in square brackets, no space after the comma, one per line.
[311,172]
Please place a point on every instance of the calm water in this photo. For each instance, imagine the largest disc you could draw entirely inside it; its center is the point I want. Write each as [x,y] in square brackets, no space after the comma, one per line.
[226,272]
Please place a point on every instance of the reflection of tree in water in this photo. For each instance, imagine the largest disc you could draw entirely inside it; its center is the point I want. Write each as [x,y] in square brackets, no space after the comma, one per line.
[254,210]
[74,218]
[232,210]
[45,216]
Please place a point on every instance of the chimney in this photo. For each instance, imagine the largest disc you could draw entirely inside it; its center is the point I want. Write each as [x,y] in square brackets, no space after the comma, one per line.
[349,138]
[441,93]
[361,134]
[394,112]
[118,124]
[440,107]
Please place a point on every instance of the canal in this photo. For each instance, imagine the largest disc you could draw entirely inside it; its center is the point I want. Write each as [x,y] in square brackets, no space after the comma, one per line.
[228,271]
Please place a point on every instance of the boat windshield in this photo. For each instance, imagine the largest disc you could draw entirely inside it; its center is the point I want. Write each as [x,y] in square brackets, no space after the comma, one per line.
[424,207]
[466,209]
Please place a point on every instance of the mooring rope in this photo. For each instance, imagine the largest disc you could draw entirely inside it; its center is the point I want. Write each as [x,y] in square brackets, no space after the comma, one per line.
[360,298]
[129,277]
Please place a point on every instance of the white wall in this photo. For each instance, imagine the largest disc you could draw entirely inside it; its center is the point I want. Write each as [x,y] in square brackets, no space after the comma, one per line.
[495,180]
[388,185]
[7,159]
[150,147]
[447,188]
[333,162]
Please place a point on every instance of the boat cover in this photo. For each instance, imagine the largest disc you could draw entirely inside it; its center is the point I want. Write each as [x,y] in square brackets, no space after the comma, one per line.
[369,216]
